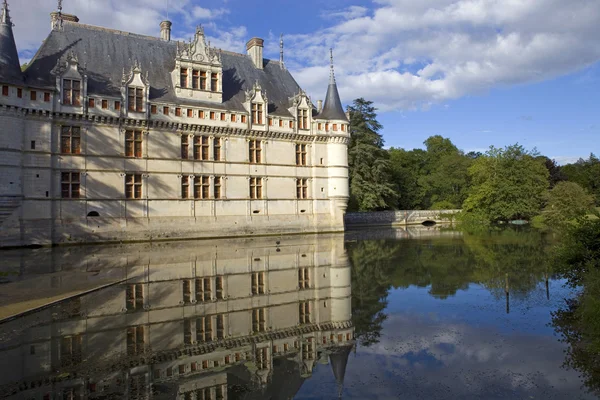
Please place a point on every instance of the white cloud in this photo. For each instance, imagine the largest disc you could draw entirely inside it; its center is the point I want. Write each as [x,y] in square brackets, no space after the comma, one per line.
[562,160]
[348,13]
[205,13]
[32,20]
[408,54]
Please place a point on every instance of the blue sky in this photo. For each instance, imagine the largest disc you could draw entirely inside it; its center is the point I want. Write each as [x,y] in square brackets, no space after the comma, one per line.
[480,72]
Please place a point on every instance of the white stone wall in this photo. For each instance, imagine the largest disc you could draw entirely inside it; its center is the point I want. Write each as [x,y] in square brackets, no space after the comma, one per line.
[32,162]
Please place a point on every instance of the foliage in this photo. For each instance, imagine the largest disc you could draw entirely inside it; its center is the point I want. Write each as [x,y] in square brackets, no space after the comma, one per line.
[580,251]
[578,260]
[555,173]
[566,202]
[586,173]
[508,184]
[371,186]
[407,167]
[494,259]
[371,263]
[443,205]
[437,174]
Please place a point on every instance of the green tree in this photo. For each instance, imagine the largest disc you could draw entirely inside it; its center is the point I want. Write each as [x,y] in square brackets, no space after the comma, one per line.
[407,167]
[508,184]
[371,187]
[566,202]
[586,173]
[578,260]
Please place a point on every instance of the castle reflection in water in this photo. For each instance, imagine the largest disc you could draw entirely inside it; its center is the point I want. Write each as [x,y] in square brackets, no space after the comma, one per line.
[237,319]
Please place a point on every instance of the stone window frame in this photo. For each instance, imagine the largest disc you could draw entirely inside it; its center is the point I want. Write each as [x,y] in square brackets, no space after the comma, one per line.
[256,185]
[137,105]
[301,188]
[70,139]
[303,122]
[255,148]
[301,154]
[134,186]
[70,185]
[201,187]
[134,143]
[304,309]
[71,95]
[258,114]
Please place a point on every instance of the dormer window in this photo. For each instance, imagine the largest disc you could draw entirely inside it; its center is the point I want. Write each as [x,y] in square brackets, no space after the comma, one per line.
[214,80]
[136,99]
[203,80]
[302,119]
[71,92]
[184,78]
[257,113]
[195,79]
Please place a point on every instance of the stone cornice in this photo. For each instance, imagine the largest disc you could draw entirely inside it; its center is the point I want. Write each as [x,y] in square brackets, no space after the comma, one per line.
[16,111]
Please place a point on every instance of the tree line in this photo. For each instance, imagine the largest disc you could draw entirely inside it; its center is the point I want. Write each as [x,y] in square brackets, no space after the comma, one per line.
[501,184]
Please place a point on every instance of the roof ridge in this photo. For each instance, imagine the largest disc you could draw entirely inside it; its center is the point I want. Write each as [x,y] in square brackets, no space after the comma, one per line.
[116,31]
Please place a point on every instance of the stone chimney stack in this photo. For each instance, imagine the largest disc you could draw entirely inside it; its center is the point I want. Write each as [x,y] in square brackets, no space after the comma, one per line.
[255,51]
[319,105]
[165,30]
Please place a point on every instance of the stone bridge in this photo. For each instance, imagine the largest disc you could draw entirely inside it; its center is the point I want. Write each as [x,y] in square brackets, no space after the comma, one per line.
[402,217]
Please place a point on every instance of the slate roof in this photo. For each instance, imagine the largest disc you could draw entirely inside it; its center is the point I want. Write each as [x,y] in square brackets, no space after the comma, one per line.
[339,361]
[332,108]
[10,67]
[105,53]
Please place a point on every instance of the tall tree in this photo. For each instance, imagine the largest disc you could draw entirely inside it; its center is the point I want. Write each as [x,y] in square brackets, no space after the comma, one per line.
[445,179]
[407,168]
[508,184]
[566,202]
[586,173]
[370,174]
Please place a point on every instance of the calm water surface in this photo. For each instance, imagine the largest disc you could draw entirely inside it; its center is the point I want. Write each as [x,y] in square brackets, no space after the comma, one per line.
[385,314]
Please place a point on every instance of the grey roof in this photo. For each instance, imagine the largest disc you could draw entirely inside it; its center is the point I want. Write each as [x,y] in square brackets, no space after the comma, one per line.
[339,361]
[105,53]
[10,67]
[332,109]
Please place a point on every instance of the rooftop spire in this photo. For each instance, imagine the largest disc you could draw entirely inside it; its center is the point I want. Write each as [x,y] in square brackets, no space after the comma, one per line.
[332,108]
[5,18]
[331,73]
[10,67]
[281,51]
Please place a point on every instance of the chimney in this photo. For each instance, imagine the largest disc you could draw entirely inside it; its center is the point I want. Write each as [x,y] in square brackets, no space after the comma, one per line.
[319,105]
[165,31]
[255,51]
[57,16]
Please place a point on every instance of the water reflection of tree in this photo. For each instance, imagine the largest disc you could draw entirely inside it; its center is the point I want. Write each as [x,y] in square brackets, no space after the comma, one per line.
[504,260]
[372,264]
[578,260]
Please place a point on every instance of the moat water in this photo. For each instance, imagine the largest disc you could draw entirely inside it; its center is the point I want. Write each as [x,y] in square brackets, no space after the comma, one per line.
[383,314]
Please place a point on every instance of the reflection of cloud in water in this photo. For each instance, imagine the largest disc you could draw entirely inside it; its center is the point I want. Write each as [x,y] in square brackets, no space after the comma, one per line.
[422,358]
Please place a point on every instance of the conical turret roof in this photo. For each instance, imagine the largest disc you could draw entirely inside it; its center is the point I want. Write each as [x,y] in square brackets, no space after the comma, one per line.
[338,361]
[332,109]
[10,67]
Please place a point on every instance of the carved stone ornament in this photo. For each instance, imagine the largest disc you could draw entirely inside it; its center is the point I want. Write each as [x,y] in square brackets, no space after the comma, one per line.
[197,50]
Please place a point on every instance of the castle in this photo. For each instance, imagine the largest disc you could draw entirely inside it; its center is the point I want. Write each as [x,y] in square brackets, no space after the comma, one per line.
[185,320]
[112,136]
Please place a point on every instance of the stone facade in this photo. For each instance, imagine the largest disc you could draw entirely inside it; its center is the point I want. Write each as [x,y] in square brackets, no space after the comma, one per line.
[112,136]
[186,317]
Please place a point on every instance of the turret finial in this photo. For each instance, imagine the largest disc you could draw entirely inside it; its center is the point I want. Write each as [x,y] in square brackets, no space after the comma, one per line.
[331,73]
[281,51]
[5,17]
